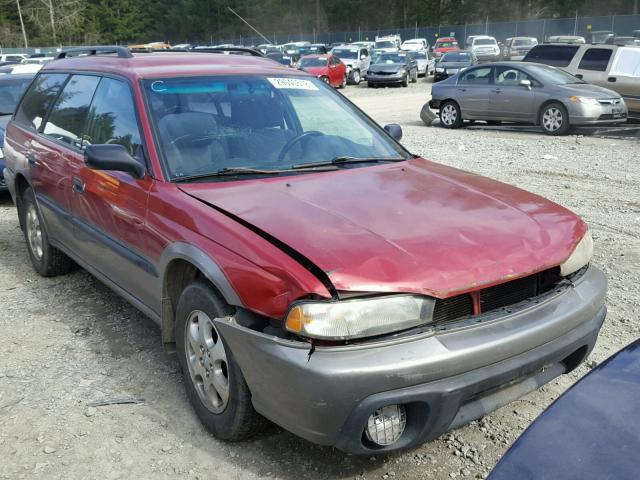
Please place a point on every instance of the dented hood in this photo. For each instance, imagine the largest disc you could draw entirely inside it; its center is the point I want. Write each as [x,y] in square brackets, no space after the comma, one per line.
[413,226]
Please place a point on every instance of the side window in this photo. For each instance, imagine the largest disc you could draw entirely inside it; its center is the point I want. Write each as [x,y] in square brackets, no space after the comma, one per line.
[364,53]
[66,122]
[112,117]
[509,77]
[477,76]
[596,59]
[554,55]
[37,101]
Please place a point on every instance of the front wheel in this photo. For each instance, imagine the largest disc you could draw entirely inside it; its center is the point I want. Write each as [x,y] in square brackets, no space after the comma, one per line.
[554,119]
[405,81]
[325,80]
[215,385]
[355,77]
[414,78]
[47,260]
[450,115]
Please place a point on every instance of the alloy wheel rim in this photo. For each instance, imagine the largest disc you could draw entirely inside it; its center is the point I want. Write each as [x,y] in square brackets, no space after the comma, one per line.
[356,77]
[34,232]
[207,361]
[552,119]
[449,115]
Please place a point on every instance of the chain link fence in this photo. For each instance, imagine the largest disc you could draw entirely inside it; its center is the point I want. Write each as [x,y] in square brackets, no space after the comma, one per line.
[622,25]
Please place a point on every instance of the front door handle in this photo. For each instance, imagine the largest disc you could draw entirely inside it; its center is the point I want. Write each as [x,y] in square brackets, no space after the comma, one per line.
[579,75]
[462,89]
[78,185]
[496,90]
[612,79]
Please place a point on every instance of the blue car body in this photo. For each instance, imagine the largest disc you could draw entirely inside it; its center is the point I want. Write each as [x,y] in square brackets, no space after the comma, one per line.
[12,87]
[591,432]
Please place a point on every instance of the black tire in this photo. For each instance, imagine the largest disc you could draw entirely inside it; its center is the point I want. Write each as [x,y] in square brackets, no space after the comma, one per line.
[554,119]
[238,420]
[414,78]
[344,82]
[325,80]
[405,81]
[355,77]
[49,262]
[450,115]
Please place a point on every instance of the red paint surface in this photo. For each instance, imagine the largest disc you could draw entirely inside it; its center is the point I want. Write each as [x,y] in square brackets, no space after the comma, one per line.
[408,227]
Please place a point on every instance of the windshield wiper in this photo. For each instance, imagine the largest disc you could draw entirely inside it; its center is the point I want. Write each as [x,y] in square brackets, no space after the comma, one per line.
[345,160]
[231,171]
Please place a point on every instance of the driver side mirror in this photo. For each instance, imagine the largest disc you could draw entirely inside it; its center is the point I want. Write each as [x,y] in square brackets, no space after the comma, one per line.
[113,157]
[526,83]
[394,130]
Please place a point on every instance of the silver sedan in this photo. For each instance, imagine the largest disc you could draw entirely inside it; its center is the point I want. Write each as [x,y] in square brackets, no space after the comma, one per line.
[528,93]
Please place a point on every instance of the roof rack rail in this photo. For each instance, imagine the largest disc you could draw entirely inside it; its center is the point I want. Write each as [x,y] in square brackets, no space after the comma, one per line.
[229,50]
[123,52]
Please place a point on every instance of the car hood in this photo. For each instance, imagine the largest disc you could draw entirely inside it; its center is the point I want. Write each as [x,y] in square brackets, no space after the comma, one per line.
[413,226]
[587,89]
[453,64]
[316,70]
[386,67]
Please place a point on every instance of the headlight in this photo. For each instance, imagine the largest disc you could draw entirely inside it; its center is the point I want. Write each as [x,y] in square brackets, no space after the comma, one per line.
[439,69]
[402,71]
[580,257]
[585,100]
[359,318]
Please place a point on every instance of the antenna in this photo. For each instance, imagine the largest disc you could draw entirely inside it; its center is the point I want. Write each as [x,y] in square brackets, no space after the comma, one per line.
[249,25]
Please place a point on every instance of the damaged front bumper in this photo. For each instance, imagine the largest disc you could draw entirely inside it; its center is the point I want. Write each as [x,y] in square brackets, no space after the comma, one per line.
[444,378]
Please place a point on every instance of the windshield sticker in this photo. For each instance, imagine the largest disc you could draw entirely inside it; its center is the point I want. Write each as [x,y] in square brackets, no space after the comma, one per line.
[292,83]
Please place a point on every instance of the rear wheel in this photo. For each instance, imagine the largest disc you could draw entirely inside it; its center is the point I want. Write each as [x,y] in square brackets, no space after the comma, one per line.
[344,81]
[554,119]
[47,260]
[215,385]
[450,115]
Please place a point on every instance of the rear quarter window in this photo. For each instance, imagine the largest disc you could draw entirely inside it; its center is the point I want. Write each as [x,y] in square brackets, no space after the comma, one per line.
[39,98]
[596,59]
[554,55]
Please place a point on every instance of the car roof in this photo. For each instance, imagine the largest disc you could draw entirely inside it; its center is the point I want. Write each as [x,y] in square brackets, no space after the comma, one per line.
[168,64]
[318,55]
[16,77]
[446,39]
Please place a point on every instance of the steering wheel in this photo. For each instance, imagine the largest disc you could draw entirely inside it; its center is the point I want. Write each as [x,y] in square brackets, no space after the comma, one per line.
[294,140]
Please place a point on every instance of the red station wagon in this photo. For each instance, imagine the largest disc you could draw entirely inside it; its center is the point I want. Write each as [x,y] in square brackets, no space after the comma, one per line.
[303,265]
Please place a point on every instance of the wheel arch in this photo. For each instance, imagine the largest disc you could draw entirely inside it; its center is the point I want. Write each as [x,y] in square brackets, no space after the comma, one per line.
[545,104]
[181,264]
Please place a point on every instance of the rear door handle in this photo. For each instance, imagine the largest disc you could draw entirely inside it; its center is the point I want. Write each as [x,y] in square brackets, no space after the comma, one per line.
[78,185]
[496,90]
[612,79]
[579,75]
[462,89]
[31,158]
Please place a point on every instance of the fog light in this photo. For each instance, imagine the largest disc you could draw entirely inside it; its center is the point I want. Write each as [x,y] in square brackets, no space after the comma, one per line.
[386,424]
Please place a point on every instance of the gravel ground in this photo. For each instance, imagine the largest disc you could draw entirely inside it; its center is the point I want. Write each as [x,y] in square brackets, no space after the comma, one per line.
[68,341]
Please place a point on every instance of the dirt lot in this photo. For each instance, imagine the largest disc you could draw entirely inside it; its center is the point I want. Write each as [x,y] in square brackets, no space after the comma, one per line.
[68,341]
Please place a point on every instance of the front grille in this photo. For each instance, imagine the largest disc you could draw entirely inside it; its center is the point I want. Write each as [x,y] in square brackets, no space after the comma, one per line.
[610,101]
[498,296]
[452,308]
